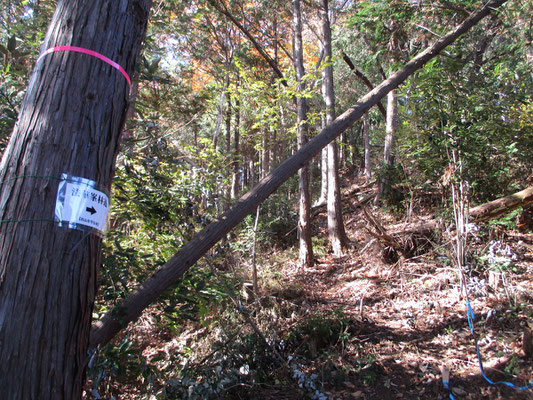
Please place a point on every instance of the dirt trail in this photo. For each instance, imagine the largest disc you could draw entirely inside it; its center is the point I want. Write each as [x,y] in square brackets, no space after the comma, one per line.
[411,319]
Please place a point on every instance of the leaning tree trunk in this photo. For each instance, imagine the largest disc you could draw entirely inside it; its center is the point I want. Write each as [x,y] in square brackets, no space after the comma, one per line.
[70,122]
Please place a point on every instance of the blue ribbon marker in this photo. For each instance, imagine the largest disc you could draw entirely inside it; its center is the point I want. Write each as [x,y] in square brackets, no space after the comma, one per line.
[471,317]
[447,386]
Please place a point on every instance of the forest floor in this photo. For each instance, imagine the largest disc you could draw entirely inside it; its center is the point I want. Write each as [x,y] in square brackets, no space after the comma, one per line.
[408,320]
[368,326]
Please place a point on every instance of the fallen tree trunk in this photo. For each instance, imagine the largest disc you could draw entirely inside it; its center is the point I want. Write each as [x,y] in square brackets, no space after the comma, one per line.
[421,227]
[501,206]
[483,212]
[130,308]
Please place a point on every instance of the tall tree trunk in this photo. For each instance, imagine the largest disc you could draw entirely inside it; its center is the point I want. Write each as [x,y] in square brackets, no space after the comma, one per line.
[390,138]
[252,175]
[227,188]
[366,138]
[70,122]
[336,232]
[169,273]
[228,127]
[390,129]
[323,171]
[236,176]
[304,222]
[340,151]
[220,113]
[254,253]
[385,181]
[265,155]
[355,141]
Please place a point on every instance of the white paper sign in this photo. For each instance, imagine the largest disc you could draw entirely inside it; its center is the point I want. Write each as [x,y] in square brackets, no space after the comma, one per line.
[79,205]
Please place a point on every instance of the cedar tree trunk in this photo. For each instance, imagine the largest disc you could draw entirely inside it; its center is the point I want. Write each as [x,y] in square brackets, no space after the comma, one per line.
[70,122]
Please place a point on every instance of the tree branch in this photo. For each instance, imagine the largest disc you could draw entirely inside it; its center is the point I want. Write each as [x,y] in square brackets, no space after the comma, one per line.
[224,11]
[363,79]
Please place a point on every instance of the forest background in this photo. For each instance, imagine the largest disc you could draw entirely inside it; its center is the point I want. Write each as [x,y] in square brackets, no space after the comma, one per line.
[213,111]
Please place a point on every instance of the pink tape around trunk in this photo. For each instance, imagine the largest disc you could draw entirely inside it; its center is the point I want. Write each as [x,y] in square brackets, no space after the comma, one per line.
[91,53]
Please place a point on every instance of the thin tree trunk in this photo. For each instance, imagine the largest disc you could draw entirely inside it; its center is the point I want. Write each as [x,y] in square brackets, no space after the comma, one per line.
[363,79]
[342,150]
[390,129]
[70,122]
[254,253]
[228,128]
[323,172]
[336,232]
[390,137]
[168,274]
[220,114]
[236,177]
[366,138]
[252,175]
[304,222]
[229,161]
[265,155]
[354,143]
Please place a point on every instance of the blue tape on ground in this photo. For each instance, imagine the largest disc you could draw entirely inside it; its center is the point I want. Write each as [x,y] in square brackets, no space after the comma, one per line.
[447,386]
[471,317]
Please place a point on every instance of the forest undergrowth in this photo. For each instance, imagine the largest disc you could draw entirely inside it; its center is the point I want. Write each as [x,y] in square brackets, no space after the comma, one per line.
[373,324]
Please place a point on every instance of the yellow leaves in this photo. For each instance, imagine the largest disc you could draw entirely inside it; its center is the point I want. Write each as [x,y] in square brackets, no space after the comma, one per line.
[311,52]
[200,77]
[523,114]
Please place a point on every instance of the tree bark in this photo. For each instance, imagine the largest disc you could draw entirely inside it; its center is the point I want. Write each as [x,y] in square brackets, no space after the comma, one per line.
[390,129]
[323,173]
[168,274]
[501,206]
[228,127]
[254,253]
[265,154]
[304,222]
[70,122]
[390,138]
[366,138]
[336,232]
[220,113]
[236,176]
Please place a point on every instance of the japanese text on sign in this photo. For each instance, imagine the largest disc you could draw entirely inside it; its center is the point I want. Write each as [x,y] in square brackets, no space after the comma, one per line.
[80,205]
